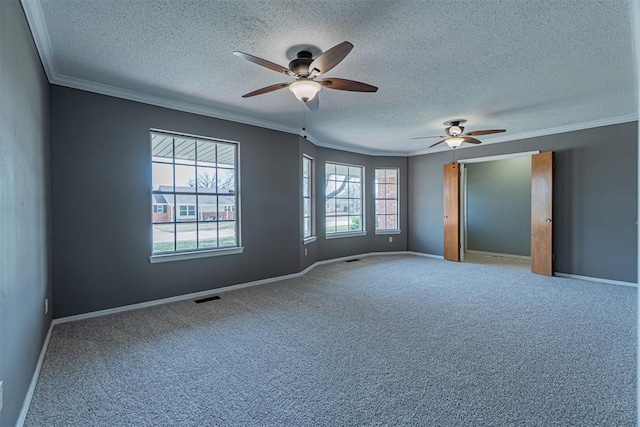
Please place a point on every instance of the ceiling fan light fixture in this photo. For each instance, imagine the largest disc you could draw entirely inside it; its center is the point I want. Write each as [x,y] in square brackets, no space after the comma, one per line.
[454,142]
[305,90]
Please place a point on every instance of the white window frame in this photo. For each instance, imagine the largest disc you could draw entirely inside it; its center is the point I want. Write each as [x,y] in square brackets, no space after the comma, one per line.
[396,230]
[178,255]
[363,230]
[311,197]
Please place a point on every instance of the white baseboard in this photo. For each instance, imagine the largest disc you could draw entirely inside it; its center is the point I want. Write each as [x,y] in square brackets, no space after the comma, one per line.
[204,294]
[596,279]
[424,255]
[471,251]
[34,379]
[194,295]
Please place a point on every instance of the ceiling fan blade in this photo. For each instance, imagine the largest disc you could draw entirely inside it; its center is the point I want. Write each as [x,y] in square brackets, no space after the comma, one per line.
[313,104]
[484,132]
[439,142]
[266,89]
[425,137]
[330,58]
[350,85]
[263,62]
[471,140]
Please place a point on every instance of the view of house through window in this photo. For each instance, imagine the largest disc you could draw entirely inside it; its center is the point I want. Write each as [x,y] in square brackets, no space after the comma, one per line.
[307,196]
[194,193]
[386,191]
[344,198]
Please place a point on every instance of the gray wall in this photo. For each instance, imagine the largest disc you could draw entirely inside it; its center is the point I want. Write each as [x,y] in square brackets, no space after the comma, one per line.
[101,204]
[335,248]
[595,198]
[498,209]
[101,176]
[322,248]
[25,279]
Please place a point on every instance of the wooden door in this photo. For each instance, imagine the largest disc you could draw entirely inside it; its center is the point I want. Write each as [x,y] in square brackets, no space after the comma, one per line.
[542,213]
[452,212]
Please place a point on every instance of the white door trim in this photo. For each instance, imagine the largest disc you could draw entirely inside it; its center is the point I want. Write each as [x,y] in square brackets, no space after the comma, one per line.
[499,157]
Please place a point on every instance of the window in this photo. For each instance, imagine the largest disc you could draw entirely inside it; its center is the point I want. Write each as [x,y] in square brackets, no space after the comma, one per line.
[194,193]
[187,210]
[307,198]
[386,202]
[344,198]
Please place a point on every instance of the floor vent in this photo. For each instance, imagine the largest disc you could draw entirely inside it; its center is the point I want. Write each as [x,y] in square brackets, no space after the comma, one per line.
[352,260]
[198,301]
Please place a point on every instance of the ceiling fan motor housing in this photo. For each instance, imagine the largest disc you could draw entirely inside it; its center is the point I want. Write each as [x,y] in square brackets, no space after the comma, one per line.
[300,65]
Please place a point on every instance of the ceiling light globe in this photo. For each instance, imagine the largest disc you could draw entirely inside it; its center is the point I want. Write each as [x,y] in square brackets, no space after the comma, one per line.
[455,130]
[454,142]
[305,90]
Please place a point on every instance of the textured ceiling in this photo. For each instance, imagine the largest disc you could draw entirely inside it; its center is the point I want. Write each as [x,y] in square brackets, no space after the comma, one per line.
[527,66]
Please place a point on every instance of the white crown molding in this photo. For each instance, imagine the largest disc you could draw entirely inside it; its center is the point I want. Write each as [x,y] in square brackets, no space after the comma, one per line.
[35,19]
[353,149]
[160,101]
[172,104]
[551,131]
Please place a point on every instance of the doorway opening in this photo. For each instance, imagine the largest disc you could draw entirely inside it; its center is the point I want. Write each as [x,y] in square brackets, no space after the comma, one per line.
[495,209]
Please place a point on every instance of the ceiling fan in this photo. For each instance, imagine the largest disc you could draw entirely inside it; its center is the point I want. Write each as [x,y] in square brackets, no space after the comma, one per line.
[455,136]
[304,69]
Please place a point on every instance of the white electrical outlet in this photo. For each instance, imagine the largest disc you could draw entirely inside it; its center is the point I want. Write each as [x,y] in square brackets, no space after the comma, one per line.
[46,305]
[305,251]
[390,239]
[1,399]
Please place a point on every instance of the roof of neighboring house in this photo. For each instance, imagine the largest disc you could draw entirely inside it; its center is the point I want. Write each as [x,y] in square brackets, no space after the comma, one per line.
[159,199]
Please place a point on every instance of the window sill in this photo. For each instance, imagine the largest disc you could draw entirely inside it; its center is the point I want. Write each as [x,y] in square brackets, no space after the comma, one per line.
[194,255]
[310,240]
[348,234]
[388,232]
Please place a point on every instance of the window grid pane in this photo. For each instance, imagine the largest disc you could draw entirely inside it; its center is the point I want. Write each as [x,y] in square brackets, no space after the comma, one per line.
[182,169]
[343,198]
[386,203]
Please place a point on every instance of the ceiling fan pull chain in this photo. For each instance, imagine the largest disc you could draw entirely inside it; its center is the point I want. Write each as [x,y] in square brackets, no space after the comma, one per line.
[304,121]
